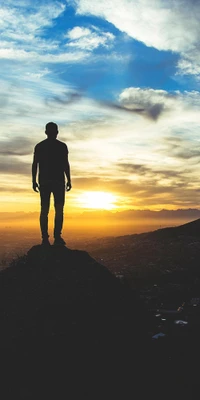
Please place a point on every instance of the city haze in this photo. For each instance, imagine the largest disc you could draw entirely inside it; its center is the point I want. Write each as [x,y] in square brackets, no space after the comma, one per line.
[19,231]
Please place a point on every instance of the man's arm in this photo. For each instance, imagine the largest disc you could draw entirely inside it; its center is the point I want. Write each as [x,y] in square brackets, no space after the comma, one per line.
[67,173]
[34,172]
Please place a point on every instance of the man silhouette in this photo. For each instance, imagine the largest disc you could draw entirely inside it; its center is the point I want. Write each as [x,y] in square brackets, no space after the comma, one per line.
[51,156]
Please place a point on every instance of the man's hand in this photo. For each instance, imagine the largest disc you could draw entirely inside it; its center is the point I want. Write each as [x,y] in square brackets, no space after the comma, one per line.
[68,186]
[35,187]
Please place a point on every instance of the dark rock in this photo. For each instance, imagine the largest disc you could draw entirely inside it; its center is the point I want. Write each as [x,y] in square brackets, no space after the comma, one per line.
[69,327]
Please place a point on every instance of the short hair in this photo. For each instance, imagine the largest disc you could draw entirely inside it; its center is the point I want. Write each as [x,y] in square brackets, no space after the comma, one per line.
[51,127]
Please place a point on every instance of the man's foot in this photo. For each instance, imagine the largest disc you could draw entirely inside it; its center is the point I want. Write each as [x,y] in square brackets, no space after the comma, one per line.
[45,242]
[59,241]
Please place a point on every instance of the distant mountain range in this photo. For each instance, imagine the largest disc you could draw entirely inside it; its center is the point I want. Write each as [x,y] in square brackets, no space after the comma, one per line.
[190,213]
[179,214]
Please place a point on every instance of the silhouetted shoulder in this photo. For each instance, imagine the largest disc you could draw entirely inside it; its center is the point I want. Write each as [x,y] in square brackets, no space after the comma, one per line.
[40,145]
[62,145]
[48,145]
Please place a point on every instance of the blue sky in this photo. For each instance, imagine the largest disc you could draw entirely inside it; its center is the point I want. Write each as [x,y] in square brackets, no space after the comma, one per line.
[72,62]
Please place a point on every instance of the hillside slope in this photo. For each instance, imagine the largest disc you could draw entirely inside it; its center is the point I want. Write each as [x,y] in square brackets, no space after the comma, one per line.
[68,326]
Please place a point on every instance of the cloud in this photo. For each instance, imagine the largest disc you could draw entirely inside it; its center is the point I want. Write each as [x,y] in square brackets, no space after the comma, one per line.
[18,146]
[14,189]
[14,166]
[25,23]
[32,56]
[167,25]
[159,175]
[150,194]
[28,18]
[184,150]
[189,65]
[22,30]
[154,102]
[78,32]
[188,154]
[85,182]
[31,100]
[146,194]
[135,168]
[149,103]
[23,37]
[89,39]
[34,76]
[159,103]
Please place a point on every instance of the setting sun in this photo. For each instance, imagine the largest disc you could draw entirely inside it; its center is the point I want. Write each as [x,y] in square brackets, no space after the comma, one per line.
[97,200]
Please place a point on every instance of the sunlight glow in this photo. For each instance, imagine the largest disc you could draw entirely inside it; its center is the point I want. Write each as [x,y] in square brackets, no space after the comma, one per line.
[97,200]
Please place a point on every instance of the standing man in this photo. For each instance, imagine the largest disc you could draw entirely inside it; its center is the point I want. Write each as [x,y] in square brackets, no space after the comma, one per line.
[51,156]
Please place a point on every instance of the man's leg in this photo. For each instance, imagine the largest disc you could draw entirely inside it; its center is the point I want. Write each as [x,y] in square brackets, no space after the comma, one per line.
[45,193]
[59,201]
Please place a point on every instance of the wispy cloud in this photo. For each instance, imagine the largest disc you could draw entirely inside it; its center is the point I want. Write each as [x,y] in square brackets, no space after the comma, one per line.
[89,39]
[182,148]
[18,146]
[32,56]
[24,24]
[163,102]
[165,26]
[28,17]
[14,189]
[14,165]
[23,36]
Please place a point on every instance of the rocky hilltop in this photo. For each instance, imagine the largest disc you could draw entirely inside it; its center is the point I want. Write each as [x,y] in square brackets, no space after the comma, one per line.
[68,327]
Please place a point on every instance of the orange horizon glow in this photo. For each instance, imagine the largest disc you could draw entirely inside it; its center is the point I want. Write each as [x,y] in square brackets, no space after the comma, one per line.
[78,201]
[97,200]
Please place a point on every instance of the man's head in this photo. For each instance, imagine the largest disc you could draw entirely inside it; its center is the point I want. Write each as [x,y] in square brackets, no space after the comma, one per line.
[51,130]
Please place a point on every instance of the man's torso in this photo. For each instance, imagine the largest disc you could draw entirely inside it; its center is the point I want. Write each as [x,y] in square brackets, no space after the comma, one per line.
[51,156]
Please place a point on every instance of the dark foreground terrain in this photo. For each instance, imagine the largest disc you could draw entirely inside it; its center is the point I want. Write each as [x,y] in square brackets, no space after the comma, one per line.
[68,328]
[71,329]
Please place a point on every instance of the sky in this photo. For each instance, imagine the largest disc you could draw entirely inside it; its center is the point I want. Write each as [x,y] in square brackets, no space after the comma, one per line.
[122,81]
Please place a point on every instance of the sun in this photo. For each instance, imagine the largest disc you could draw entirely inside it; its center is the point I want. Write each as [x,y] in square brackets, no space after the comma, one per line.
[97,200]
